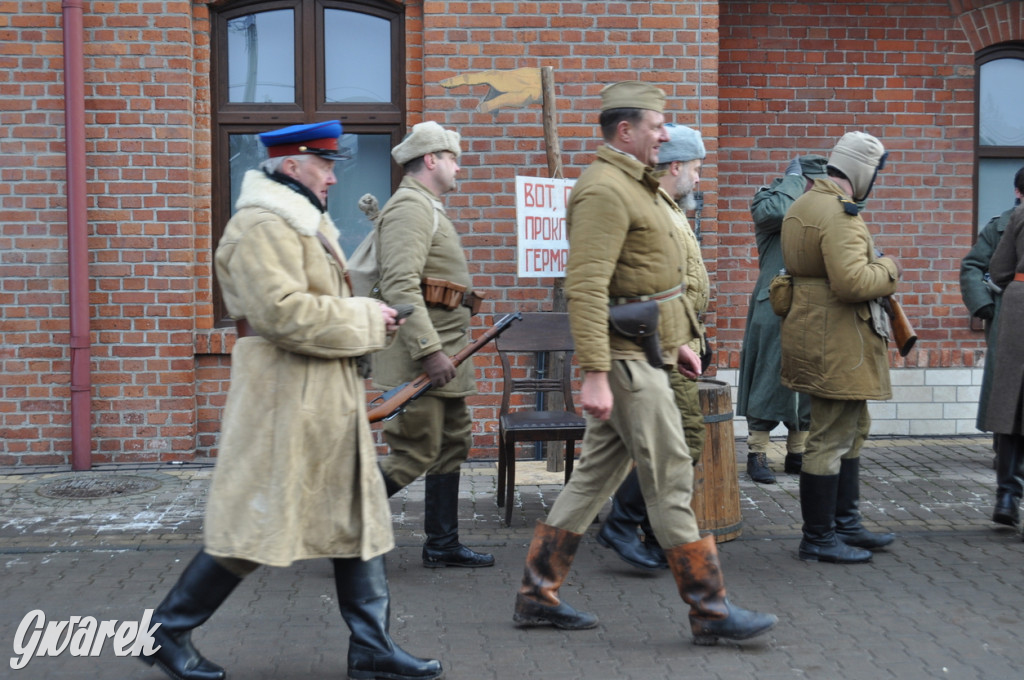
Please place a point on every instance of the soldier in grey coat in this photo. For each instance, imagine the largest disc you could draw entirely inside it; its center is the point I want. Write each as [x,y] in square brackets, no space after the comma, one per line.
[762,398]
[984,302]
[1003,411]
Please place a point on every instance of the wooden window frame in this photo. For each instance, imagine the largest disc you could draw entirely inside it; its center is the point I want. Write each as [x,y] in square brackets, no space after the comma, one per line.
[1014,50]
[229,118]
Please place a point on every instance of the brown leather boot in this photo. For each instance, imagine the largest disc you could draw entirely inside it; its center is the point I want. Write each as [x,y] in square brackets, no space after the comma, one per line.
[547,564]
[699,578]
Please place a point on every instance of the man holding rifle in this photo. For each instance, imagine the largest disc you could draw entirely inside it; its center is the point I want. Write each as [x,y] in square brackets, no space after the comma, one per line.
[834,344]
[422,264]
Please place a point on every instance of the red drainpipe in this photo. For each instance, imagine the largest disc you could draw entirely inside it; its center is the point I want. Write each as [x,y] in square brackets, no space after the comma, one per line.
[78,247]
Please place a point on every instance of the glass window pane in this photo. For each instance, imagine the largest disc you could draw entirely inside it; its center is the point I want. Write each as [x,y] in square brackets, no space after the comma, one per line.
[995,186]
[1001,103]
[245,152]
[368,171]
[261,58]
[357,57]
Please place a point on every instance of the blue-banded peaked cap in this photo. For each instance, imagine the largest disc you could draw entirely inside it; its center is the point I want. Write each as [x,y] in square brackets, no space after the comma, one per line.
[319,139]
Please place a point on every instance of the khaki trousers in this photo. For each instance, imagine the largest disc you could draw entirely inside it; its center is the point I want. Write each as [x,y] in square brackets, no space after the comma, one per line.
[431,436]
[838,430]
[645,428]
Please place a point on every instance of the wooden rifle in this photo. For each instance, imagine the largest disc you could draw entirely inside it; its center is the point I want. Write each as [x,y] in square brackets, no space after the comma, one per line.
[902,332]
[392,402]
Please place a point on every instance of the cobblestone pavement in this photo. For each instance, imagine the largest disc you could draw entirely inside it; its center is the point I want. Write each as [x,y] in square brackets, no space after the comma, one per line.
[944,602]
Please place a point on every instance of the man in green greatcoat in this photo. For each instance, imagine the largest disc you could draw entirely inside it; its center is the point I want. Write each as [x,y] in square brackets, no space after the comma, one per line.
[761,397]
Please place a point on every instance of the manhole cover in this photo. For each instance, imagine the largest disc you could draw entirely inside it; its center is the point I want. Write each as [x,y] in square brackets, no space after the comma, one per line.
[88,487]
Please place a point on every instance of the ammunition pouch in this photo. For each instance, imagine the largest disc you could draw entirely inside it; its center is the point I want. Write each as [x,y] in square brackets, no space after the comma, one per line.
[473,302]
[780,294]
[443,293]
[638,321]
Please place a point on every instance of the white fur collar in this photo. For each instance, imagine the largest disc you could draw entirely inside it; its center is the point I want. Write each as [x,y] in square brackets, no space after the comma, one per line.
[259,191]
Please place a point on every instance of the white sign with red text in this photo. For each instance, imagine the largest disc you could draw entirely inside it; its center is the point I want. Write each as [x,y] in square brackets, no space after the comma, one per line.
[543,246]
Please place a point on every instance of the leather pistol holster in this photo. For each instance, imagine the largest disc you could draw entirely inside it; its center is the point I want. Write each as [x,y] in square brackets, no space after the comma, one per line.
[638,321]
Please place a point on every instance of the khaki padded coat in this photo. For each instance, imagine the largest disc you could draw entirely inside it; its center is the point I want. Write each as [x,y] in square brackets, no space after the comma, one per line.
[410,249]
[296,473]
[698,285]
[829,348]
[623,242]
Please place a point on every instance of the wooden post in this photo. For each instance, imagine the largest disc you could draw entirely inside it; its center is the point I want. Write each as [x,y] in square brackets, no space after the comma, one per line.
[555,361]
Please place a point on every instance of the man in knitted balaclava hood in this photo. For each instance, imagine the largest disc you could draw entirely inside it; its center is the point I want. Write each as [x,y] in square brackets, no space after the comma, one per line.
[832,349]
[859,157]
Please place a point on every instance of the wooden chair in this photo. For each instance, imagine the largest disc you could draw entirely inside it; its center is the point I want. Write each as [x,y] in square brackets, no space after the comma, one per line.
[536,332]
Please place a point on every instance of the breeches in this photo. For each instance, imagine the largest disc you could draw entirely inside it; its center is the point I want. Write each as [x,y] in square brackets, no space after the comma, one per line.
[431,436]
[803,413]
[838,430]
[645,427]
[687,394]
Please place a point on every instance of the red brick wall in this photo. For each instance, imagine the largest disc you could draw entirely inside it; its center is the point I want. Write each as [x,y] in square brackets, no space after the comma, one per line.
[144,201]
[795,76]
[589,44]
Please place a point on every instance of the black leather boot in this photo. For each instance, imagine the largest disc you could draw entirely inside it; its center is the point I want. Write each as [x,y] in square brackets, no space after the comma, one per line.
[698,576]
[758,470]
[200,590]
[365,604]
[757,458]
[619,531]
[441,524]
[848,520]
[547,564]
[818,506]
[1009,473]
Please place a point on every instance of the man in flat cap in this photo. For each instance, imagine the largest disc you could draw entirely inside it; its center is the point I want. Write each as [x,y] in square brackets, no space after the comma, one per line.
[422,264]
[762,398]
[678,172]
[835,344]
[296,474]
[628,260]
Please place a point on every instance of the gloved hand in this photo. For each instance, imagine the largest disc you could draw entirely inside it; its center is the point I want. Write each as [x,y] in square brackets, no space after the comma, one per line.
[439,368]
[986,313]
[794,167]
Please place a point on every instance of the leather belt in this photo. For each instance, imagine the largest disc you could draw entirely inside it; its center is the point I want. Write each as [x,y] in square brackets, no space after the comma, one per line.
[1019,276]
[244,329]
[669,294]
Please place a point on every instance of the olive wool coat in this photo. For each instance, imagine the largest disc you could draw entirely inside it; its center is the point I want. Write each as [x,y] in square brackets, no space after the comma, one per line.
[829,348]
[296,473]
[1006,407]
[417,241]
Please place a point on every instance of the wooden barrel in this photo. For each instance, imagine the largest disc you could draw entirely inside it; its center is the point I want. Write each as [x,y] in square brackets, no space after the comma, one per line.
[716,488]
